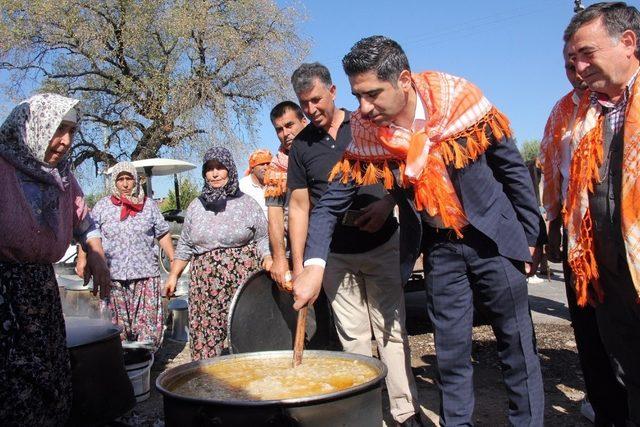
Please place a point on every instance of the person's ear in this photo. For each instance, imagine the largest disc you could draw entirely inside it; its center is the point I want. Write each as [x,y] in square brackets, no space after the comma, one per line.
[404,80]
[332,91]
[630,41]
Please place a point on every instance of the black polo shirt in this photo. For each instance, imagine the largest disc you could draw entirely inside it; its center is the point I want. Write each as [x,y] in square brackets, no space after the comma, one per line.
[313,155]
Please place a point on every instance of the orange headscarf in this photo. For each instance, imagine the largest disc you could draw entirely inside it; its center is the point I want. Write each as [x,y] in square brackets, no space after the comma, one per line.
[258,157]
[456,109]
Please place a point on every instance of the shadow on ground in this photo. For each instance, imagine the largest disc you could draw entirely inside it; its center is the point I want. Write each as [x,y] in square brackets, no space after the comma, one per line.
[549,307]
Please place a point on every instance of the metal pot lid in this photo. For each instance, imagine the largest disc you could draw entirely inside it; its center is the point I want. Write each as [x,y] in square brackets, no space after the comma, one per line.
[85,330]
[261,318]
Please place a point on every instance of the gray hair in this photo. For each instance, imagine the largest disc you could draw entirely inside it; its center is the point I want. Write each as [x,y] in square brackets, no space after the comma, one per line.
[379,54]
[617,18]
[305,75]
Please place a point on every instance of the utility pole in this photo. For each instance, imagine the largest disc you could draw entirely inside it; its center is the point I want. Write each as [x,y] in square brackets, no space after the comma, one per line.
[578,6]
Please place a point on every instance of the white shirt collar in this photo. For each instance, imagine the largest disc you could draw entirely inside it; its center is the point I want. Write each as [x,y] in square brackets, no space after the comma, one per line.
[420,113]
[419,116]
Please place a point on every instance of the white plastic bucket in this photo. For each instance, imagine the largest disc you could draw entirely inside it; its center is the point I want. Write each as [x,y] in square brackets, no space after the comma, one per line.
[140,377]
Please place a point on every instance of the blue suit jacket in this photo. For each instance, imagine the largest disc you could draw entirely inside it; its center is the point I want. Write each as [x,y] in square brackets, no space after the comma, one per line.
[496,193]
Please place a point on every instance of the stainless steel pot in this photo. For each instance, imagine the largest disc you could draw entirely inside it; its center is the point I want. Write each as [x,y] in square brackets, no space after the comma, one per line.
[356,406]
[77,299]
[179,308]
[101,388]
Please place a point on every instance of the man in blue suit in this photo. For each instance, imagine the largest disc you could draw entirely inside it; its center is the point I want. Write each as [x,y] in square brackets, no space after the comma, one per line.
[466,202]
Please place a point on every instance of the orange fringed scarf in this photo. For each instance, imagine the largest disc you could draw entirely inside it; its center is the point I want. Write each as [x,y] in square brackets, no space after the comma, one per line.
[585,163]
[456,109]
[275,177]
[561,120]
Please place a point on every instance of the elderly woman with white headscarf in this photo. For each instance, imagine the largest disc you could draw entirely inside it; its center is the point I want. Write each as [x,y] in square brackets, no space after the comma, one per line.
[42,209]
[130,224]
[225,236]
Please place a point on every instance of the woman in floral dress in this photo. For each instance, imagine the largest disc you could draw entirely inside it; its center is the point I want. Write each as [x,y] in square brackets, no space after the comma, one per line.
[224,235]
[42,209]
[130,224]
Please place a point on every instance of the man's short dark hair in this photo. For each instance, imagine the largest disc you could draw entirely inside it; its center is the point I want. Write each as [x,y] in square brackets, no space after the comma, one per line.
[305,75]
[280,109]
[617,18]
[379,54]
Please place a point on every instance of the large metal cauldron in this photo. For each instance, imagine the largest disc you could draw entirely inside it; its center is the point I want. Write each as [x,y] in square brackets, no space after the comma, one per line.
[101,388]
[356,406]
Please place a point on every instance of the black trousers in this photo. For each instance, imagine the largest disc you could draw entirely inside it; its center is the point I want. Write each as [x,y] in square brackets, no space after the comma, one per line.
[456,270]
[606,395]
[618,319]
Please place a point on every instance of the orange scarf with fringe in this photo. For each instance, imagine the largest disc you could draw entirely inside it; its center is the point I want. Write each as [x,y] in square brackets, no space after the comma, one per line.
[275,177]
[585,163]
[455,109]
[561,120]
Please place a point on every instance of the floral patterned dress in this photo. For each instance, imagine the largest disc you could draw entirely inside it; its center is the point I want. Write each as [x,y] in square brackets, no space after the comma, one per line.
[224,248]
[215,278]
[136,305]
[132,253]
[35,382]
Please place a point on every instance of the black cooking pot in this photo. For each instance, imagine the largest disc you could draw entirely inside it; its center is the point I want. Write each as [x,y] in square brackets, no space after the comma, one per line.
[359,406]
[101,388]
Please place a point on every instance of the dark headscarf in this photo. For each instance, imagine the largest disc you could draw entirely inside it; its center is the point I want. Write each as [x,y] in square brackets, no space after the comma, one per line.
[215,198]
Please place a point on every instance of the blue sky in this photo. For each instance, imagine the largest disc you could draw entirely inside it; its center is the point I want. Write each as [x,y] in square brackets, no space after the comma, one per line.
[511,49]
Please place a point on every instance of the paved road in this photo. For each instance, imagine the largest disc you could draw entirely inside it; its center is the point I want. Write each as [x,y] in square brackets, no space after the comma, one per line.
[547,298]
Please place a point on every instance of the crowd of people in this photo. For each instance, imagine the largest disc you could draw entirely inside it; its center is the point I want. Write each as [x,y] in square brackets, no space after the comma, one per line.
[338,217]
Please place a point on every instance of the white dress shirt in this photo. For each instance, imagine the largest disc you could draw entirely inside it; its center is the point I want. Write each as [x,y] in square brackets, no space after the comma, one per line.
[251,188]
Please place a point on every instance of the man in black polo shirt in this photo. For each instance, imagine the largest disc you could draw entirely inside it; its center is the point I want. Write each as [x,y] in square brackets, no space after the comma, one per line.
[362,276]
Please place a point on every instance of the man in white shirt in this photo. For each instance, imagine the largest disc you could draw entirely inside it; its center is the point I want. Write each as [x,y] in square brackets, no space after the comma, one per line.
[253,183]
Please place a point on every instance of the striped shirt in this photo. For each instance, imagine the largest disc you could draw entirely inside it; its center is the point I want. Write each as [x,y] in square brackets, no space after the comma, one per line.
[614,112]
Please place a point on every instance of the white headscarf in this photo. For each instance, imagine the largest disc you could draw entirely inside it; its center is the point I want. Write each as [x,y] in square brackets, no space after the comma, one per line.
[137,195]
[26,133]
[24,138]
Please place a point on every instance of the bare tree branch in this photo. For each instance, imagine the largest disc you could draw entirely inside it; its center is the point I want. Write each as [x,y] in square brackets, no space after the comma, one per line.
[153,74]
